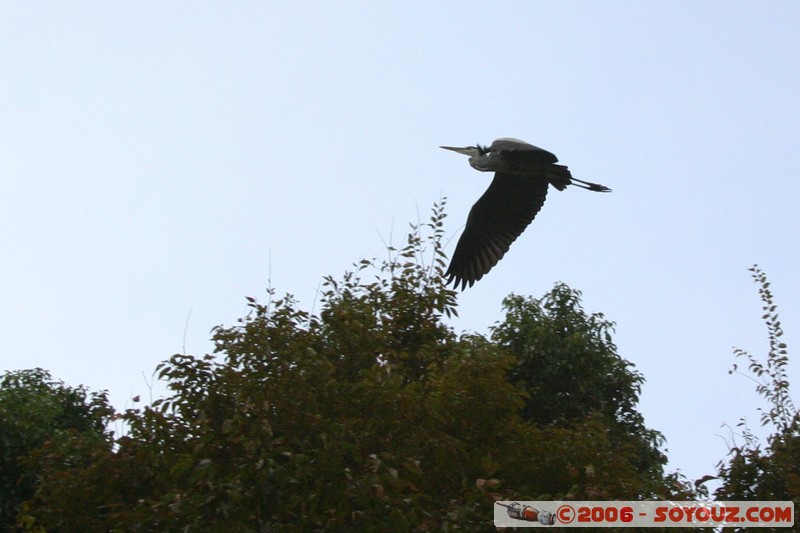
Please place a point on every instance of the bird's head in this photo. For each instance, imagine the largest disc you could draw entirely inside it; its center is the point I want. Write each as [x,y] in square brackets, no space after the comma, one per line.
[478,156]
[472,151]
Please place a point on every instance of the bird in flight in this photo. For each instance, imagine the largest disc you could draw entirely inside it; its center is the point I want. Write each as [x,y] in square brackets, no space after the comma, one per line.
[516,194]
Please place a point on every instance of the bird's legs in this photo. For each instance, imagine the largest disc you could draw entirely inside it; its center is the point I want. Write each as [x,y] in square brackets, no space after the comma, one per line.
[589,186]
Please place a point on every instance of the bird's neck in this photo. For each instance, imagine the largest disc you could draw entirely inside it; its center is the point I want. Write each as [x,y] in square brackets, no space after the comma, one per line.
[480,162]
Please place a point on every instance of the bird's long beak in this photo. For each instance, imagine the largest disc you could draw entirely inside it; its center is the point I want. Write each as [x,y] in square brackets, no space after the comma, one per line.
[465,150]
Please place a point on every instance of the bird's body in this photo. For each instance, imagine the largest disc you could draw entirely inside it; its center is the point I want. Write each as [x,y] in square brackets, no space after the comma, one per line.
[516,194]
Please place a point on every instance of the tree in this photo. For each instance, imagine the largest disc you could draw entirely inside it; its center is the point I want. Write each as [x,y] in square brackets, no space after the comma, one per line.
[372,415]
[34,408]
[568,365]
[771,472]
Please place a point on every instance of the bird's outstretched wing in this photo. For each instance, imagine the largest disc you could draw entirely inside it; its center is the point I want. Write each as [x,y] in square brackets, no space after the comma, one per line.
[495,221]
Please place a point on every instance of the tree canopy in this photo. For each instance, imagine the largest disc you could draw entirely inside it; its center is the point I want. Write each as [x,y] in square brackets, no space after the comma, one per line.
[371,414]
[34,409]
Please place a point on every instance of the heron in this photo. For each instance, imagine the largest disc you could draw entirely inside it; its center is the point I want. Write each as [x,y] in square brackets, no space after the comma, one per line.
[523,173]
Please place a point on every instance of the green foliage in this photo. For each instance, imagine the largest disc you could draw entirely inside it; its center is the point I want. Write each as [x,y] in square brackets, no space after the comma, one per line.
[771,473]
[370,416]
[34,409]
[566,360]
[771,378]
[568,365]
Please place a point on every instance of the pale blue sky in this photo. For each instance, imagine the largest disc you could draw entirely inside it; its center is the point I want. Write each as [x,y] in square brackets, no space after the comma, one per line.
[154,156]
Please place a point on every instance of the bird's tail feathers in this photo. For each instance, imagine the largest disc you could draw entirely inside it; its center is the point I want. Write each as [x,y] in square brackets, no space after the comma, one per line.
[559,176]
